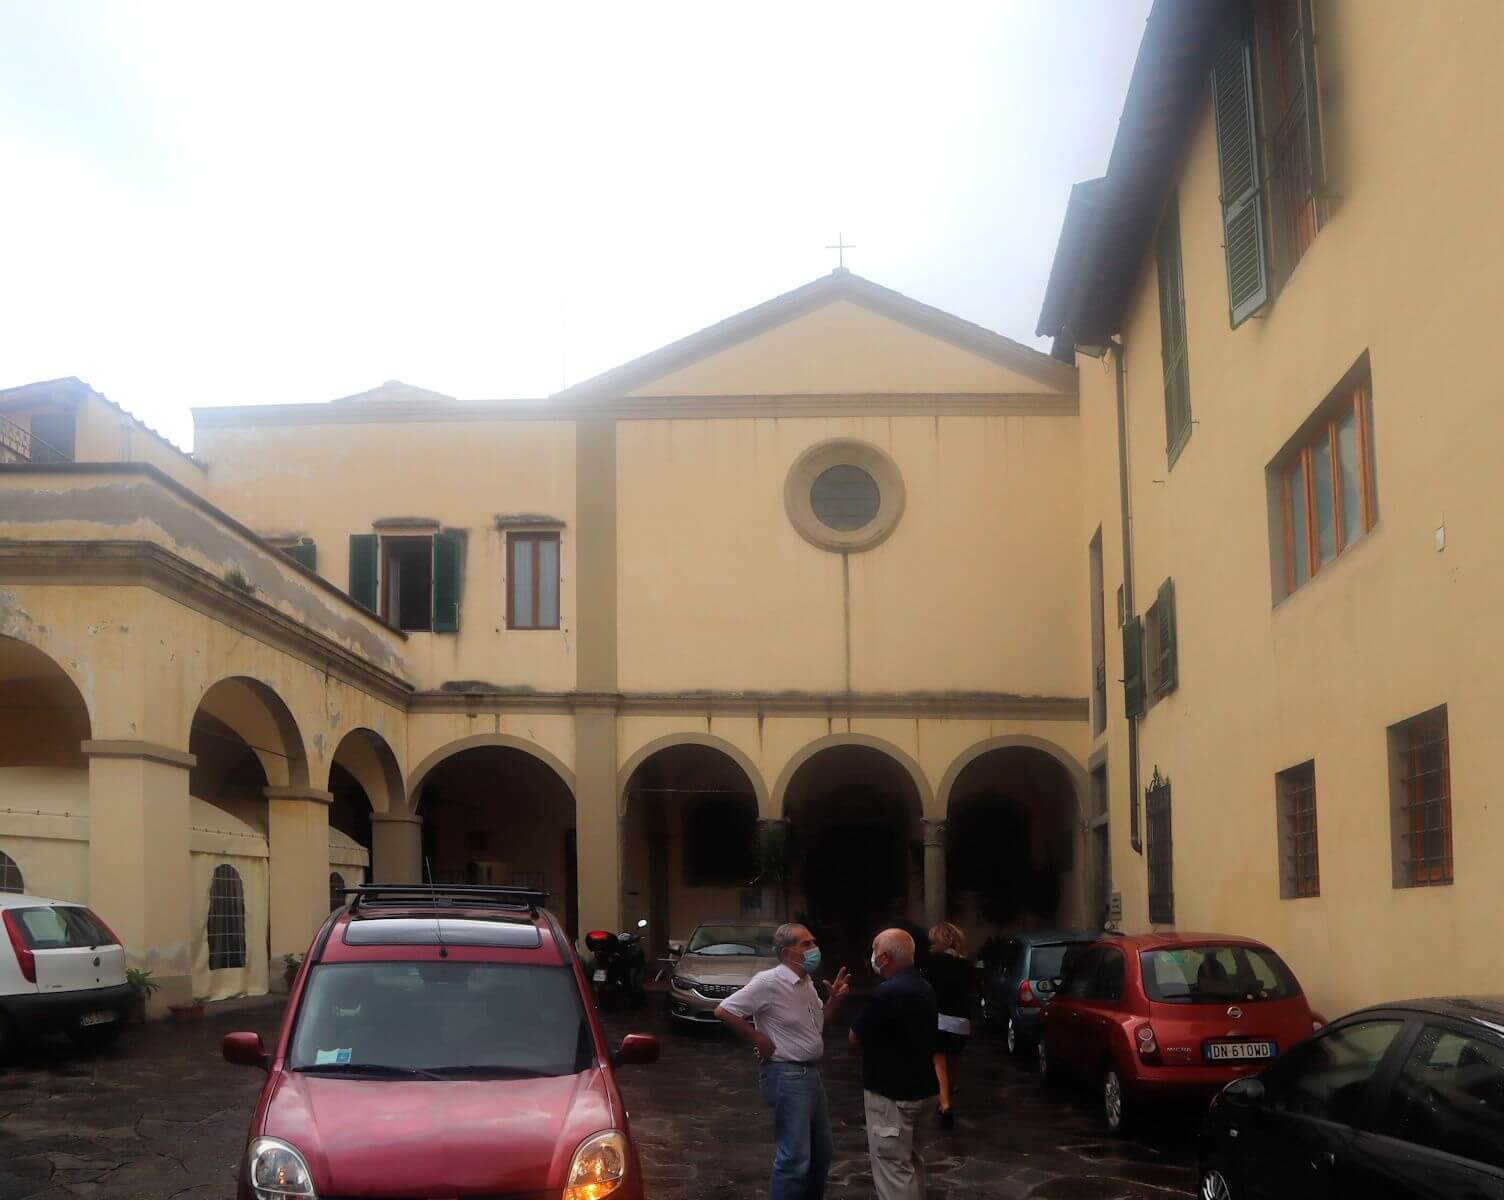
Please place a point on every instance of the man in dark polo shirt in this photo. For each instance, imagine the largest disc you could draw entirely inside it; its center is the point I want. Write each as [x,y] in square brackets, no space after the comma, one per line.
[896,1031]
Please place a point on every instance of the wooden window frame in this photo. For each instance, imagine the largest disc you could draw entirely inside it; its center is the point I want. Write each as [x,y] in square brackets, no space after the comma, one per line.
[1161,850]
[1290,133]
[534,537]
[384,542]
[1299,844]
[1298,466]
[1174,338]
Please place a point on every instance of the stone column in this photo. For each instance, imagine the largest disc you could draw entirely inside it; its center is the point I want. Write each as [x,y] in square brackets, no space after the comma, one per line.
[140,881]
[298,838]
[396,848]
[934,871]
[597,820]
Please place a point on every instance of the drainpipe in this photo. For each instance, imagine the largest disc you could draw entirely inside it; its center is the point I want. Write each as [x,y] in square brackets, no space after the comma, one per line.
[1135,827]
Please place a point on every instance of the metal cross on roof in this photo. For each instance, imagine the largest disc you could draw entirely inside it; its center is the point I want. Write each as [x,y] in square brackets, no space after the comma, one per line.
[841,246]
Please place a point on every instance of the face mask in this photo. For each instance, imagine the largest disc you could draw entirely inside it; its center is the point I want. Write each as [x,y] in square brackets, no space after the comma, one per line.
[812,959]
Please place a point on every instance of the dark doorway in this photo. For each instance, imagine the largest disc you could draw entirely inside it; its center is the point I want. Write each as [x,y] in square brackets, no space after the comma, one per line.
[407,582]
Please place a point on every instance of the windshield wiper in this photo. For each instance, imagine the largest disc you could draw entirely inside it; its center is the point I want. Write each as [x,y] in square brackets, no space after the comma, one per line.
[368,1070]
[485,1071]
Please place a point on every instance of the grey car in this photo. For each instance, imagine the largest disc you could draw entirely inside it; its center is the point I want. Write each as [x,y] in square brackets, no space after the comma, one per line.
[719,958]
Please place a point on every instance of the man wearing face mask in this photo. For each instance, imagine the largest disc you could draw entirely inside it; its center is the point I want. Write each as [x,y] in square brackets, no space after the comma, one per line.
[896,1032]
[781,1014]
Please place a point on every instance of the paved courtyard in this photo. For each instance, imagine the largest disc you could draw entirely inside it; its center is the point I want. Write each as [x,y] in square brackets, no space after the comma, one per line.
[163,1116]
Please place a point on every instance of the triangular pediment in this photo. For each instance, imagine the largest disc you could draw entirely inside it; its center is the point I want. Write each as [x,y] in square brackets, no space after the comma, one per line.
[839,336]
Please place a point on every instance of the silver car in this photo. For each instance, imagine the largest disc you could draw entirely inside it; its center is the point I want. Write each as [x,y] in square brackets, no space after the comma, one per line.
[720,957]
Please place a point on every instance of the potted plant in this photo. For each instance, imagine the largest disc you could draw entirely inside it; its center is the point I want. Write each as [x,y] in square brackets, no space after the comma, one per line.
[142,986]
[290,965]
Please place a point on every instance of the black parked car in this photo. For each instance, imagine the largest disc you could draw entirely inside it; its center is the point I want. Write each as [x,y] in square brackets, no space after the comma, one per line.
[1020,974]
[1397,1101]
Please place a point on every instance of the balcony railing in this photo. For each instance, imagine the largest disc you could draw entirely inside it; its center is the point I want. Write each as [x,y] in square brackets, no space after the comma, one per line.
[17,445]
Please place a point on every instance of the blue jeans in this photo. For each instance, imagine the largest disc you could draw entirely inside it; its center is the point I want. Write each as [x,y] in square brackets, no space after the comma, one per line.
[801,1130]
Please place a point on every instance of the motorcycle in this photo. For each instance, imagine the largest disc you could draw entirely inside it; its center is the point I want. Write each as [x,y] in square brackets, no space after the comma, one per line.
[617,975]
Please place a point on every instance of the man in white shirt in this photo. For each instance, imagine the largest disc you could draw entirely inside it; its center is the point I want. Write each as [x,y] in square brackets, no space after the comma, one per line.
[780,1013]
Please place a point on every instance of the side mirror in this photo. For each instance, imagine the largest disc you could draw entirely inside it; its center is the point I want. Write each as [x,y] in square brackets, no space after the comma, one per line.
[676,949]
[637,1050]
[1244,1093]
[245,1050]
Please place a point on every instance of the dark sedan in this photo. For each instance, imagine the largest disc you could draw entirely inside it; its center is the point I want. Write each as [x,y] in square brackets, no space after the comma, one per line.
[1401,1100]
[1020,976]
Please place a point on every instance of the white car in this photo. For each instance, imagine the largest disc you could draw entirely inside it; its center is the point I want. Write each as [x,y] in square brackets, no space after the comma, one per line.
[61,971]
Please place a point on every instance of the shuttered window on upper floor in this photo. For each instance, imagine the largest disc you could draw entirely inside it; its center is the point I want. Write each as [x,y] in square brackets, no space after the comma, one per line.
[1172,337]
[1266,107]
[412,581]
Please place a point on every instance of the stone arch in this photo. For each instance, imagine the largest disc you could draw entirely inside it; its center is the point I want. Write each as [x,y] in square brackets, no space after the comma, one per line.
[450,749]
[254,712]
[778,802]
[691,738]
[22,661]
[1007,741]
[369,757]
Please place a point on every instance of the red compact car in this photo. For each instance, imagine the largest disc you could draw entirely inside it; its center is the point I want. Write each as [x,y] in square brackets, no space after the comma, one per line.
[1167,1017]
[440,1042]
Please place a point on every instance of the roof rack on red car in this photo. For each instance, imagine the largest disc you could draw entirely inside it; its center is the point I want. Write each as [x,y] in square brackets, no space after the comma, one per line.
[445,895]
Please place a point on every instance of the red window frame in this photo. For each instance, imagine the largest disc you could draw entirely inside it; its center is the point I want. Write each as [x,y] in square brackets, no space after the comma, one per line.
[1298,474]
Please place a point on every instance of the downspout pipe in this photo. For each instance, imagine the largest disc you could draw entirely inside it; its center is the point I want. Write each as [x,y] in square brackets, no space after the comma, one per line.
[1135,829]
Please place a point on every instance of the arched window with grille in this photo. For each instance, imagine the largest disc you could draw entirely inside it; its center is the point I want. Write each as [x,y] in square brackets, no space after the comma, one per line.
[226,919]
[336,890]
[10,875]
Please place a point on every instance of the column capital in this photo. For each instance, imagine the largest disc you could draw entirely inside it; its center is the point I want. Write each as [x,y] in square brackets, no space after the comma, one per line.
[127,748]
[379,818]
[934,831]
[314,795]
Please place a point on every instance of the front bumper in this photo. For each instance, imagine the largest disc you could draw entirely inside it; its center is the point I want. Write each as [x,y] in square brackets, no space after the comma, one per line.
[693,1006]
[60,1012]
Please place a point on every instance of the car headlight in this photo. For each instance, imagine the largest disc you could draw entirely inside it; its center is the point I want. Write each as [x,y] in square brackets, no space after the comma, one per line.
[681,984]
[277,1170]
[599,1166]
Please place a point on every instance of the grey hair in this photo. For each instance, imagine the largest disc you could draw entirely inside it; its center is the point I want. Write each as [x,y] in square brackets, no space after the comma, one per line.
[783,936]
[897,945]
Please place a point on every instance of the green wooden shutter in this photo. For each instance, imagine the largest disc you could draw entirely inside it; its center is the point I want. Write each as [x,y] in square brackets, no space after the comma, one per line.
[1172,337]
[1238,157]
[363,569]
[1133,667]
[1169,675]
[448,553]
[305,554]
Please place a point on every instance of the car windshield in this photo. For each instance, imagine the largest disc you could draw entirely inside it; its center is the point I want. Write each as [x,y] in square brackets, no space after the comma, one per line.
[1216,975]
[459,1019]
[733,939]
[1053,959]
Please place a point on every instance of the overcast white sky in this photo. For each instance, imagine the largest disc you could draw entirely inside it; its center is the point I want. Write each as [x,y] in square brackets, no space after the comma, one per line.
[206,204]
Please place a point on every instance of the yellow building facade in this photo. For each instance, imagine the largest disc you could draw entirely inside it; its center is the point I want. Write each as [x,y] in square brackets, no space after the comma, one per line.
[846,608]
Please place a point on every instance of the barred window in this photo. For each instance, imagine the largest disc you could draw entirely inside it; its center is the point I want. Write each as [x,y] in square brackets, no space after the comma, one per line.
[226,919]
[1420,772]
[336,890]
[1300,873]
[10,875]
[1161,851]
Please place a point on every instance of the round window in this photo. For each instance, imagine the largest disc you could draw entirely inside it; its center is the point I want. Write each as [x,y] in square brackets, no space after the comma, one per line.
[845,497]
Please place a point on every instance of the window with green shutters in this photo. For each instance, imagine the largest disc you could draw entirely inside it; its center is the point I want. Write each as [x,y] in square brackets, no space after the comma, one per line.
[1172,339]
[1239,161]
[363,570]
[1134,693]
[305,554]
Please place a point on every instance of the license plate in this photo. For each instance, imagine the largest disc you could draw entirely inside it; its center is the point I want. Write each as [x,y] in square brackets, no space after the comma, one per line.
[1239,1051]
[99,1018]
[599,976]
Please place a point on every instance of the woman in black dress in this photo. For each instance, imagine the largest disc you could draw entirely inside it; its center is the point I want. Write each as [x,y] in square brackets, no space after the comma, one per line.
[952,976]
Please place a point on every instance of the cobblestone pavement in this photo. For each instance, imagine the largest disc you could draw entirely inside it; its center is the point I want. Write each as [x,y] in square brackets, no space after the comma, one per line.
[163,1116]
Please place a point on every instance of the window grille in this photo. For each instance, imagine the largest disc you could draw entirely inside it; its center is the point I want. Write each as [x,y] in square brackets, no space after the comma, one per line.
[10,875]
[1161,851]
[1428,800]
[226,919]
[1297,788]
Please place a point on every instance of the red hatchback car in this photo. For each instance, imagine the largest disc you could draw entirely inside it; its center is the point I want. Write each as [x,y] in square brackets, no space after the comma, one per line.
[440,1042]
[1170,1017]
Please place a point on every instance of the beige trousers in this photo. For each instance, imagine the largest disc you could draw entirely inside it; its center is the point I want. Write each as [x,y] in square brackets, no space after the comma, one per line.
[895,1143]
